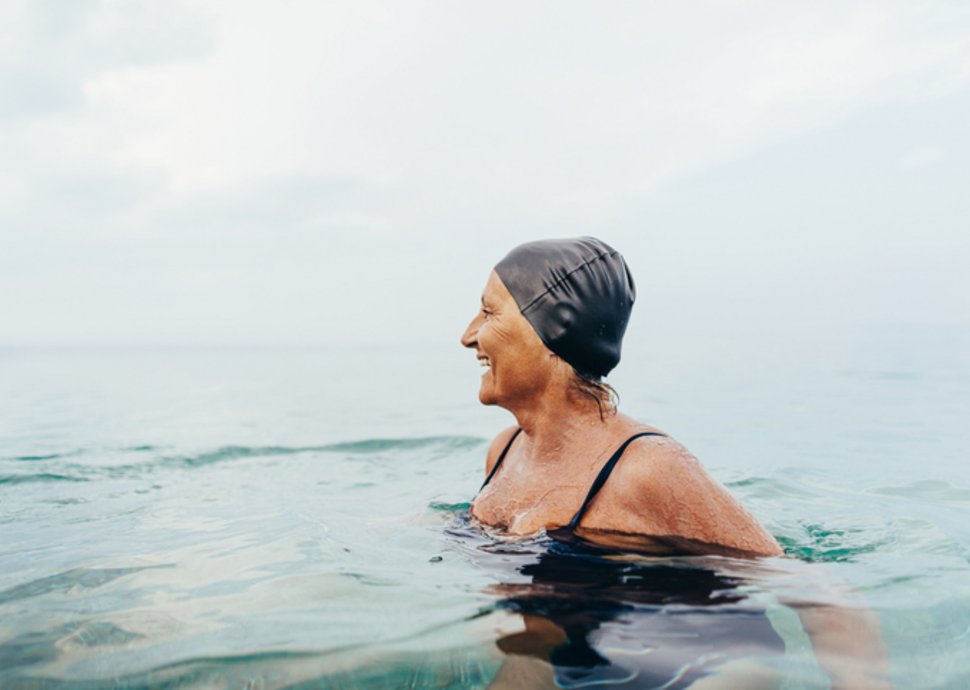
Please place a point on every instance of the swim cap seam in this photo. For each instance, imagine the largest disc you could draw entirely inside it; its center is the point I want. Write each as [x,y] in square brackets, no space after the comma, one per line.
[563,279]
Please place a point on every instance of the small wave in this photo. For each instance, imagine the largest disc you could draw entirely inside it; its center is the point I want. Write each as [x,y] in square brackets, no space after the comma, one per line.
[98,634]
[273,668]
[828,545]
[927,490]
[363,447]
[303,668]
[449,507]
[41,477]
[74,579]
[378,445]
[48,456]
[229,453]
[437,445]
[768,487]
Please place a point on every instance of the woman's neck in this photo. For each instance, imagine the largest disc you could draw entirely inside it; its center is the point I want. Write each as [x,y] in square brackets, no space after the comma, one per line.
[561,423]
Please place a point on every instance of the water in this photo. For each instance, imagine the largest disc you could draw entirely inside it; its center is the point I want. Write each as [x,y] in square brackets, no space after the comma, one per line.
[295,518]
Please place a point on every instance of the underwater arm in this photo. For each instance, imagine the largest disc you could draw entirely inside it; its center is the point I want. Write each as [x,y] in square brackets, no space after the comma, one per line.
[526,656]
[848,646]
[846,637]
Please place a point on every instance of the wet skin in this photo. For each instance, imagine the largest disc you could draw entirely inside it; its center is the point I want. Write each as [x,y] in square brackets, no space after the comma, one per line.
[658,492]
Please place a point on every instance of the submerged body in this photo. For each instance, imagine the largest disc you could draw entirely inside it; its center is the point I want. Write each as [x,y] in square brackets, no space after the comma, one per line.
[593,617]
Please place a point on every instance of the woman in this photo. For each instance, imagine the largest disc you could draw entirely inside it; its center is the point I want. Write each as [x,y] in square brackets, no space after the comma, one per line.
[552,319]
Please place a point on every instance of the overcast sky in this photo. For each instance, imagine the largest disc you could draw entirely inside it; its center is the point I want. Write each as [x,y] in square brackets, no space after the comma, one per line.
[323,172]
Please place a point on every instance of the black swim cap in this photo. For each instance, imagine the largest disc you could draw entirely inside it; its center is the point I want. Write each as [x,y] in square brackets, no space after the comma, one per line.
[577,294]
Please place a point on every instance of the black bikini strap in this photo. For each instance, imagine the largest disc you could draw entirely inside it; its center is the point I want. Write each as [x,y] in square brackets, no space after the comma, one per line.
[604,475]
[501,458]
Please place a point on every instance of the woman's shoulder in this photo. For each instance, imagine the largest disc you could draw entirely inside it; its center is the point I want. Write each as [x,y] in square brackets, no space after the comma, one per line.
[653,459]
[644,438]
[660,485]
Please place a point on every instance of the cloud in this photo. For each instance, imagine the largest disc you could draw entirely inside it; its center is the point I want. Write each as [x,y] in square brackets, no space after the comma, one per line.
[50,49]
[594,101]
[210,170]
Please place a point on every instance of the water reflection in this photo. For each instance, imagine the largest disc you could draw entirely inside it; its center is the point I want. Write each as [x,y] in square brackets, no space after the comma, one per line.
[594,617]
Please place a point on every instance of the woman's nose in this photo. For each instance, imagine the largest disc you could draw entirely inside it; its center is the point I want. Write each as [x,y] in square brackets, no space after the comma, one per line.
[470,337]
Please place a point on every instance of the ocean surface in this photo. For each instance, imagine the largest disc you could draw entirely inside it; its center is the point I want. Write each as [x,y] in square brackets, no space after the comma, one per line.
[297,517]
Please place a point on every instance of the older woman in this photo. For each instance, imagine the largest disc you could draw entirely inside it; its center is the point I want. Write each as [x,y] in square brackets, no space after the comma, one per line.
[552,319]
[551,322]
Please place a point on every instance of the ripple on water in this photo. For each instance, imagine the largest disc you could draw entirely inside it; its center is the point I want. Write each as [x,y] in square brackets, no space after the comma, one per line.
[76,579]
[389,570]
[40,458]
[11,479]
[820,544]
[434,447]
[449,507]
[927,490]
[363,447]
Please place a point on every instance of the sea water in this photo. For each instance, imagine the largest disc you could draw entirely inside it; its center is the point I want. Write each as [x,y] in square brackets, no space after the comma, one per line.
[297,517]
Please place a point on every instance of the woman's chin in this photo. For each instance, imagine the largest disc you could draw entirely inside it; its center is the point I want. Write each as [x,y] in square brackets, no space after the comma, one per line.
[485,395]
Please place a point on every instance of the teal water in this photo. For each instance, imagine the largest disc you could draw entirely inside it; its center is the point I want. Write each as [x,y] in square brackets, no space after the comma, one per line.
[286,518]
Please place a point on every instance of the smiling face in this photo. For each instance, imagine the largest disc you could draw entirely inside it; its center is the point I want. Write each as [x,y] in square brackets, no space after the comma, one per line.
[518,365]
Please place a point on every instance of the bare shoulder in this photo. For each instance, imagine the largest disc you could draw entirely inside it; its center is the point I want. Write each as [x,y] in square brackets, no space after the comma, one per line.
[663,489]
[654,463]
[497,445]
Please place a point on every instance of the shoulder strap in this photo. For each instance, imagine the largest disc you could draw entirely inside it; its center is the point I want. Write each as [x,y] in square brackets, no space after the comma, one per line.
[604,475]
[501,457]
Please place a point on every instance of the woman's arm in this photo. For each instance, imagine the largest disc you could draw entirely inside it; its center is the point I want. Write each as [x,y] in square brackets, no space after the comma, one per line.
[845,635]
[668,488]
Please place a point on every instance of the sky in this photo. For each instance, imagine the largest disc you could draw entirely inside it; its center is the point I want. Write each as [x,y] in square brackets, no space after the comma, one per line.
[312,173]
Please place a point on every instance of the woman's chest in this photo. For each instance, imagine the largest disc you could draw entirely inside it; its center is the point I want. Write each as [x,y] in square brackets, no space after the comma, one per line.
[523,502]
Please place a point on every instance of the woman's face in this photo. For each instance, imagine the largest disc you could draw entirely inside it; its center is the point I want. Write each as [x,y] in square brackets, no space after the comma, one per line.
[518,365]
